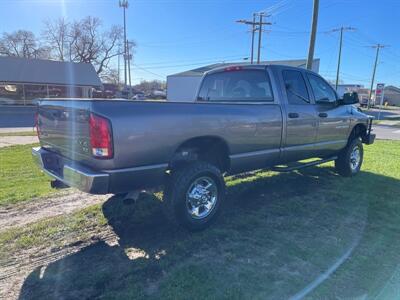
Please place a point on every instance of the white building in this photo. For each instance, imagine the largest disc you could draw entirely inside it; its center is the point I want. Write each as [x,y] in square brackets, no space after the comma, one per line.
[347,88]
[182,87]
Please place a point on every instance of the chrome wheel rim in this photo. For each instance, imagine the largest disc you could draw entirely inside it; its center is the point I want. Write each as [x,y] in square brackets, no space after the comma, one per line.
[355,158]
[201,197]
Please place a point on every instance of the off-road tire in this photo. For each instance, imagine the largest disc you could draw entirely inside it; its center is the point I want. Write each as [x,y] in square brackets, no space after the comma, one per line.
[177,186]
[343,162]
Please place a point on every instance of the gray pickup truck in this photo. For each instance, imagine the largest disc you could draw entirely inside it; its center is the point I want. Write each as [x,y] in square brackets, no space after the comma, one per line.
[246,117]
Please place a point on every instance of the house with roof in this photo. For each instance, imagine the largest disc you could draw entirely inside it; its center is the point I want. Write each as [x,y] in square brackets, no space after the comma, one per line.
[22,80]
[183,86]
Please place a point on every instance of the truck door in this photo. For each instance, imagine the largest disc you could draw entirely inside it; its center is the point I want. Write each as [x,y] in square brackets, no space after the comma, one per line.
[301,118]
[333,120]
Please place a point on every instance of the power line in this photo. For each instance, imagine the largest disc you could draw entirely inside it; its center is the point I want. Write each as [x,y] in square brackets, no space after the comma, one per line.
[204,60]
[227,36]
[150,72]
[186,65]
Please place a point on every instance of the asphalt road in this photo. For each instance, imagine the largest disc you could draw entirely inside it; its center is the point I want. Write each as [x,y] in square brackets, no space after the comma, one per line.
[386,132]
[384,114]
[17,116]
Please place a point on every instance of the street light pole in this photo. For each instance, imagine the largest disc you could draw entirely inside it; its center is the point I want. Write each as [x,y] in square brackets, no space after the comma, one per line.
[129,69]
[119,66]
[124,4]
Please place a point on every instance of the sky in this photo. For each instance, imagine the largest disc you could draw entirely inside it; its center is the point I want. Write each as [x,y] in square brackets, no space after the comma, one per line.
[178,35]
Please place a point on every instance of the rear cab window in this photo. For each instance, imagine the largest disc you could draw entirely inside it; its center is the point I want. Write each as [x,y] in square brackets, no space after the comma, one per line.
[237,85]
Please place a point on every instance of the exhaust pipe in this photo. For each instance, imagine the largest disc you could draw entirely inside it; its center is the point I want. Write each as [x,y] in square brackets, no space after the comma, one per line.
[57,184]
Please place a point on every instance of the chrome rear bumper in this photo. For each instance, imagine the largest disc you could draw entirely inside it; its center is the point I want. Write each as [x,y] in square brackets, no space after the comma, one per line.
[71,173]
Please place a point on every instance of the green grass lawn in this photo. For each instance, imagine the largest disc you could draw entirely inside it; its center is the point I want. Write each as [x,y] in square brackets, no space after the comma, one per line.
[20,178]
[19,133]
[310,233]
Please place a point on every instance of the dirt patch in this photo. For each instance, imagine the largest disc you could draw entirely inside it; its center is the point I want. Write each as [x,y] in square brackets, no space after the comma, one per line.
[14,272]
[64,203]
[17,265]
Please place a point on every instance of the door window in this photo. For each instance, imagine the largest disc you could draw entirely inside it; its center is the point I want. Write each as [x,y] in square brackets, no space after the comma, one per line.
[321,89]
[295,86]
[237,86]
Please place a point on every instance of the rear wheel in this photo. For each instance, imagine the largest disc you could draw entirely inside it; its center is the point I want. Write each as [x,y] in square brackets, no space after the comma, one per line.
[194,195]
[350,159]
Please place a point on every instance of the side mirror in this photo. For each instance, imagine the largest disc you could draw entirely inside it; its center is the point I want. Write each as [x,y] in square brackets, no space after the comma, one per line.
[350,98]
[324,101]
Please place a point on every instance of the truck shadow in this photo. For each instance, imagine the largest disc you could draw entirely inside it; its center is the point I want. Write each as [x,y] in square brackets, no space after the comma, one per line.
[291,226]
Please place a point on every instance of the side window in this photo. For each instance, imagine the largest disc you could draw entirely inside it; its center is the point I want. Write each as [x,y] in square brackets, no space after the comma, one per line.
[321,89]
[237,86]
[295,86]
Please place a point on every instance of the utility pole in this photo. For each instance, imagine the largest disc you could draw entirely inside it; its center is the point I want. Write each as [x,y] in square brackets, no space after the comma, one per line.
[253,31]
[378,47]
[313,35]
[124,4]
[260,24]
[341,29]
[254,28]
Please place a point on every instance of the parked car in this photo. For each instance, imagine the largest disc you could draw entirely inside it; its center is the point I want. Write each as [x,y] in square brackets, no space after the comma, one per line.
[364,102]
[139,96]
[245,118]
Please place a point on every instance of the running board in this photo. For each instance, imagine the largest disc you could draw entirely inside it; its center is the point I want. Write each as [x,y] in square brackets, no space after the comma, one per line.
[299,165]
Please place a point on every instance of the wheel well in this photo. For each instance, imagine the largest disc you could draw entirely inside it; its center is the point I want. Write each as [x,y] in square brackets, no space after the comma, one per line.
[207,148]
[360,130]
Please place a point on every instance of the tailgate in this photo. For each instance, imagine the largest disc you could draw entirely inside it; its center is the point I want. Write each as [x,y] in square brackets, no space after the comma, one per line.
[64,128]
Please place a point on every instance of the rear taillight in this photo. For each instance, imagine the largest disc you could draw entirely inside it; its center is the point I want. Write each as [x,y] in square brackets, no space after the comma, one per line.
[37,124]
[100,137]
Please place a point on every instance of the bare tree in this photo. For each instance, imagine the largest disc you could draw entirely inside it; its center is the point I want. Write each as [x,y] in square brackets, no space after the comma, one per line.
[55,34]
[22,43]
[80,41]
[88,43]
[110,76]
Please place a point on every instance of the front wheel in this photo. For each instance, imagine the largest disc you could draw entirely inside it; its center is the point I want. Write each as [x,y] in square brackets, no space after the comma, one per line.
[350,159]
[194,195]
